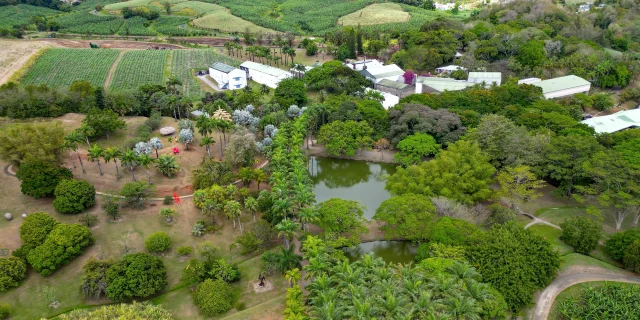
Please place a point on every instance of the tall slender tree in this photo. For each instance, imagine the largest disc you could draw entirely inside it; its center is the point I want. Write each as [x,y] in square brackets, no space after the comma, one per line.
[95,153]
[73,138]
[146,161]
[112,154]
[130,159]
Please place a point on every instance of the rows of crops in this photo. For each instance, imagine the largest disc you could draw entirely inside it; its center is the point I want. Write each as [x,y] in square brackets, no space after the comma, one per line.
[61,67]
[194,7]
[21,14]
[136,3]
[136,26]
[184,63]
[84,22]
[176,26]
[139,67]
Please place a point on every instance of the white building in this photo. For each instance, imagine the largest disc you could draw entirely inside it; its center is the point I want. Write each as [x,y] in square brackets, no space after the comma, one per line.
[563,86]
[529,80]
[390,72]
[439,85]
[449,69]
[618,121]
[227,76]
[389,101]
[263,74]
[489,78]
[360,65]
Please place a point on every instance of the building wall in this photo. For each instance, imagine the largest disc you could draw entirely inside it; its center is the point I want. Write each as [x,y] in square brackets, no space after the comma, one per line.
[567,92]
[266,79]
[237,79]
[220,77]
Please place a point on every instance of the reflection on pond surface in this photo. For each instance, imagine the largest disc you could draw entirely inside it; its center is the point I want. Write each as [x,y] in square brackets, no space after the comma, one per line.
[361,181]
[389,251]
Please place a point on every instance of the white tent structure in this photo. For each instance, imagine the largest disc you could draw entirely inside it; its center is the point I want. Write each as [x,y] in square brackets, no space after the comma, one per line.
[489,78]
[618,121]
[563,86]
[449,68]
[390,72]
[263,74]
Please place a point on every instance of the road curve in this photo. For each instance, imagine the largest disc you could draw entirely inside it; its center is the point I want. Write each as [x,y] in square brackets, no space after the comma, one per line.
[545,301]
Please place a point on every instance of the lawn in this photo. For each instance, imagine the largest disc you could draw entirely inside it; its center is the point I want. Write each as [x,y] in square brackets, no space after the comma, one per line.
[557,215]
[579,260]
[377,13]
[219,18]
[552,235]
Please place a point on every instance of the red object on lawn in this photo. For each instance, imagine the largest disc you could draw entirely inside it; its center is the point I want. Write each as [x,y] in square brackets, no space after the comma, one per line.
[176,199]
[176,151]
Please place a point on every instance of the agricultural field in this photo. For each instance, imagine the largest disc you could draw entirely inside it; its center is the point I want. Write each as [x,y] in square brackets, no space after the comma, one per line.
[61,67]
[83,23]
[377,13]
[136,26]
[194,8]
[137,3]
[176,26]
[140,67]
[185,62]
[221,19]
[21,14]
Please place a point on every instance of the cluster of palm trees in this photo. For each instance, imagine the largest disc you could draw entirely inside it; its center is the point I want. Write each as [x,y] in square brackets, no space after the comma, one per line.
[370,289]
[207,125]
[166,165]
[248,174]
[230,201]
[264,54]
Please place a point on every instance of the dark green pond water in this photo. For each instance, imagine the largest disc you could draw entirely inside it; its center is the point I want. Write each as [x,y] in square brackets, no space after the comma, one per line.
[389,251]
[361,181]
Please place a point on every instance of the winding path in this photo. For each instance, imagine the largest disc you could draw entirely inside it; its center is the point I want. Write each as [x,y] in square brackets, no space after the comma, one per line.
[537,220]
[545,301]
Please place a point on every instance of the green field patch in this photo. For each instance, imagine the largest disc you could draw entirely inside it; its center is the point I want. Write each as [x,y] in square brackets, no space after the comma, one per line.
[176,26]
[136,3]
[84,22]
[21,14]
[552,235]
[184,63]
[139,67]
[219,18]
[61,67]
[136,26]
[377,13]
[196,6]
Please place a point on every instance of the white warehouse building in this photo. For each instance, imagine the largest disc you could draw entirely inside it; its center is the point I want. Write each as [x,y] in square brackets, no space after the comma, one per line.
[227,76]
[263,74]
[563,86]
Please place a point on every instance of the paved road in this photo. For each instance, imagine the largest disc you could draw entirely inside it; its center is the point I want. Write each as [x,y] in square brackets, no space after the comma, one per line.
[545,301]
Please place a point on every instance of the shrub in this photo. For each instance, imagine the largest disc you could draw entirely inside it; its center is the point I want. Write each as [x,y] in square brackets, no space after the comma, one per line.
[94,281]
[631,258]
[602,101]
[74,196]
[135,193]
[36,227]
[617,244]
[12,271]
[198,229]
[137,275]
[185,250]
[213,297]
[89,219]
[269,263]
[121,311]
[155,120]
[167,166]
[158,242]
[111,207]
[39,178]
[22,252]
[65,242]
[240,306]
[5,311]
[248,242]
[581,233]
[167,200]
[500,214]
[168,214]
[452,231]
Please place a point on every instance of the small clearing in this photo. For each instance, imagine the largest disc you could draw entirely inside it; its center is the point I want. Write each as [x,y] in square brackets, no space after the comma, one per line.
[377,13]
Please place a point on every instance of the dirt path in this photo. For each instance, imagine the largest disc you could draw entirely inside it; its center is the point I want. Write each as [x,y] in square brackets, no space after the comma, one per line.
[545,300]
[208,82]
[537,220]
[107,81]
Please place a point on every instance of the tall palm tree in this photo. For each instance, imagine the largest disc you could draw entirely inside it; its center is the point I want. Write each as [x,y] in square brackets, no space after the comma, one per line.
[86,131]
[130,159]
[307,216]
[287,229]
[282,206]
[251,204]
[207,142]
[233,210]
[293,276]
[73,138]
[172,84]
[95,153]
[205,125]
[264,89]
[259,176]
[146,161]
[69,146]
[288,260]
[112,154]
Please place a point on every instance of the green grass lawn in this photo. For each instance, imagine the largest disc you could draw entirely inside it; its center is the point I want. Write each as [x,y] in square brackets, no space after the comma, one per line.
[552,235]
[576,259]
[557,215]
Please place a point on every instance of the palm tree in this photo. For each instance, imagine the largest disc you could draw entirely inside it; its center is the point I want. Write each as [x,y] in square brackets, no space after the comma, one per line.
[264,89]
[307,216]
[287,229]
[69,146]
[251,204]
[86,131]
[316,267]
[233,210]
[95,153]
[259,176]
[146,161]
[205,125]
[293,276]
[459,307]
[463,271]
[288,260]
[172,84]
[130,159]
[156,144]
[167,165]
[246,175]
[207,142]
[282,206]
[112,154]
[73,138]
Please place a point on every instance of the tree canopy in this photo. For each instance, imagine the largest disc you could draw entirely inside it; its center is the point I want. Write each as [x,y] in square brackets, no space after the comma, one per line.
[342,220]
[137,275]
[345,137]
[407,119]
[408,216]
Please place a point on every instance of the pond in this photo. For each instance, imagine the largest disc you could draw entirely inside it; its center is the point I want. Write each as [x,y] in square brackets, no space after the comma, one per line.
[389,251]
[361,181]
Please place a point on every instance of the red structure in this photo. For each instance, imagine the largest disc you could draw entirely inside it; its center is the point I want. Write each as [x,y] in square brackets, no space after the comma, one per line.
[176,151]
[176,199]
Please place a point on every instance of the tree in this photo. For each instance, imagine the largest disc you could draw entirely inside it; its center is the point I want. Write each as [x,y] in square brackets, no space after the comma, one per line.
[167,7]
[157,242]
[86,131]
[582,233]
[71,141]
[241,149]
[135,194]
[119,311]
[617,244]
[342,220]
[94,154]
[251,205]
[382,145]
[443,125]
[137,275]
[168,214]
[39,178]
[207,142]
[259,176]
[130,158]
[415,147]
[287,229]
[514,261]
[156,144]
[233,210]
[213,297]
[112,154]
[167,166]
[186,137]
[12,271]
[88,219]
[74,196]
[290,91]
[35,228]
[146,161]
[518,185]
[111,207]
[103,122]
[461,173]
[453,232]
[64,242]
[631,257]
[344,138]
[602,102]
[25,142]
[293,276]
[531,54]
[408,216]
[246,175]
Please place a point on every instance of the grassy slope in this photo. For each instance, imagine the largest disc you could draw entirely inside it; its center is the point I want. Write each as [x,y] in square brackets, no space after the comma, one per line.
[377,13]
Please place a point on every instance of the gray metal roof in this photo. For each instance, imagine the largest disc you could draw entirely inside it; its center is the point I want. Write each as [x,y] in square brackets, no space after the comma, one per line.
[562,83]
[224,68]
[392,84]
[272,71]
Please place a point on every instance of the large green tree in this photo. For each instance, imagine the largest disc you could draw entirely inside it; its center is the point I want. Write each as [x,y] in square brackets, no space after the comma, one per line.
[342,220]
[581,233]
[74,196]
[408,216]
[290,91]
[345,138]
[39,178]
[462,173]
[36,227]
[565,159]
[34,141]
[137,275]
[104,122]
[213,297]
[617,244]
[407,119]
[415,147]
[63,243]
